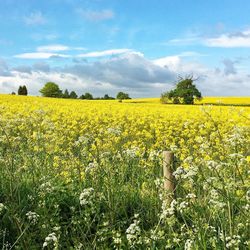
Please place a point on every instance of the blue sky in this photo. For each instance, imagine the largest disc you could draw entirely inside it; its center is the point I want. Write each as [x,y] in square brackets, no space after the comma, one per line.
[141,47]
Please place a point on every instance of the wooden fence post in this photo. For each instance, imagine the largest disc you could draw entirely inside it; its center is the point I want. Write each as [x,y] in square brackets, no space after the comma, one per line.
[168,160]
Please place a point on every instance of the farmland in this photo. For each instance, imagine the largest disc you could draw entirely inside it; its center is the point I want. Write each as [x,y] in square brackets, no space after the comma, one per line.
[77,174]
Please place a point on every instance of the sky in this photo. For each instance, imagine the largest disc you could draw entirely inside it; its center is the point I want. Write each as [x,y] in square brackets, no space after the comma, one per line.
[141,47]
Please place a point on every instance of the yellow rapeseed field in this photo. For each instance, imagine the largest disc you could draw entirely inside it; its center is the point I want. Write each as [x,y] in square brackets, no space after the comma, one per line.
[78,174]
[145,125]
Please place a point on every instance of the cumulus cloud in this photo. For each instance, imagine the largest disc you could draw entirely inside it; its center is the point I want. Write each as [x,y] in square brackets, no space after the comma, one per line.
[35,18]
[131,72]
[212,81]
[96,15]
[229,66]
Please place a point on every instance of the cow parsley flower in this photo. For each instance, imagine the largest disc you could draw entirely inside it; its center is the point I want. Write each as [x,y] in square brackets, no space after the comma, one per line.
[51,239]
[32,217]
[86,197]
[133,232]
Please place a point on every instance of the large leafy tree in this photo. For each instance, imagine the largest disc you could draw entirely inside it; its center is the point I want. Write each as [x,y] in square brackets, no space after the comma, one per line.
[88,96]
[51,89]
[122,96]
[185,92]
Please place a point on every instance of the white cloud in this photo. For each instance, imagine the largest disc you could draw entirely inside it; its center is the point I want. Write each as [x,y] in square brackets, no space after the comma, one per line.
[52,47]
[35,18]
[239,39]
[57,47]
[39,55]
[48,51]
[130,72]
[227,81]
[184,41]
[96,16]
[105,53]
[171,62]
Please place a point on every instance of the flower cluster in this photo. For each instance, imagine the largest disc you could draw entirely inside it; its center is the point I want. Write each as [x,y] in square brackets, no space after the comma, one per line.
[51,239]
[32,217]
[133,232]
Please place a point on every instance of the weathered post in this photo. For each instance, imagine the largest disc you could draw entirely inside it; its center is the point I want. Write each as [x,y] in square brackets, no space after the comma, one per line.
[168,159]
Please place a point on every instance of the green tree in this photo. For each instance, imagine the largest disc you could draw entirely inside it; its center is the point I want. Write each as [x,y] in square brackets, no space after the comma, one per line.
[25,91]
[51,89]
[73,95]
[82,97]
[66,94]
[185,92]
[88,96]
[122,96]
[22,90]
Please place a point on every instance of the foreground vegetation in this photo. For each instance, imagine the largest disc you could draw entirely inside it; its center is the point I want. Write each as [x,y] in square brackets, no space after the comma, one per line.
[88,175]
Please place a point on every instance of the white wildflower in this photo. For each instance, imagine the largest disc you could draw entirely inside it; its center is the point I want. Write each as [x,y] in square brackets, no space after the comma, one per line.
[168,210]
[46,187]
[132,152]
[51,238]
[117,238]
[179,173]
[188,244]
[133,232]
[182,206]
[91,167]
[233,242]
[32,217]
[86,197]
[215,201]
[191,196]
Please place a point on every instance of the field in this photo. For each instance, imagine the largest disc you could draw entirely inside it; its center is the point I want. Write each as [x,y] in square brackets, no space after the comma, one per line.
[78,174]
[233,101]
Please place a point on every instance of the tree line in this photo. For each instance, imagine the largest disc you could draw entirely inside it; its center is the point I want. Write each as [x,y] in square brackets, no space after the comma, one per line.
[51,89]
[185,92]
